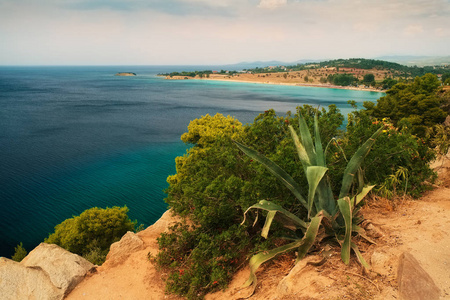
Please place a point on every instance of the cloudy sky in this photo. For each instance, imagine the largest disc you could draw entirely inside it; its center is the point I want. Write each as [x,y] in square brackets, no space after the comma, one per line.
[143,32]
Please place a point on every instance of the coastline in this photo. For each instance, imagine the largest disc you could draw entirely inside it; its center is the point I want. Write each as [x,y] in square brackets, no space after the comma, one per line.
[256,81]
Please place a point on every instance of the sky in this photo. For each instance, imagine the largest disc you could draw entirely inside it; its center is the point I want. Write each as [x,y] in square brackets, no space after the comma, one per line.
[205,32]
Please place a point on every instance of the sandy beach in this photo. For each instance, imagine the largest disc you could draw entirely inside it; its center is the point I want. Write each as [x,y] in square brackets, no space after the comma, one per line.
[310,78]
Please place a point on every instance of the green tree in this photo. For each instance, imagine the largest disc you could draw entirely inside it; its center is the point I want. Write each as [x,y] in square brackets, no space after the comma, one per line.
[92,232]
[368,78]
[413,104]
[19,253]
[445,78]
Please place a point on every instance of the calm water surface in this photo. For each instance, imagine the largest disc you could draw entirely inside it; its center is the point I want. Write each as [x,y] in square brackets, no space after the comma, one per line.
[72,138]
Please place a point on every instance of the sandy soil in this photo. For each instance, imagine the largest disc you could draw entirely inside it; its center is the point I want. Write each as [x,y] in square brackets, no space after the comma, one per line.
[421,227]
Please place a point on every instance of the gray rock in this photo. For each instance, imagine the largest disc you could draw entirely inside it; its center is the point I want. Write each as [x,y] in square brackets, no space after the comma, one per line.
[64,268]
[19,282]
[414,283]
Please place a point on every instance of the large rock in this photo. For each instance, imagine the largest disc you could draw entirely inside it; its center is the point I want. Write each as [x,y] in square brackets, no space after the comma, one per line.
[121,250]
[414,283]
[47,272]
[18,282]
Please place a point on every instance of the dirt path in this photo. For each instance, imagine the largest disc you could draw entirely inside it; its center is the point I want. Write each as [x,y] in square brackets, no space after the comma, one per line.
[421,228]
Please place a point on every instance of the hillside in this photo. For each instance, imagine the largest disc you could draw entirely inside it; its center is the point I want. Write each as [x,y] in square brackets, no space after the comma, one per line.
[420,228]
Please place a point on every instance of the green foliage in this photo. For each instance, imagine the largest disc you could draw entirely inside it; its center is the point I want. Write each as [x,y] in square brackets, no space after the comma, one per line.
[396,149]
[341,215]
[342,79]
[415,105]
[92,232]
[368,78]
[214,185]
[19,253]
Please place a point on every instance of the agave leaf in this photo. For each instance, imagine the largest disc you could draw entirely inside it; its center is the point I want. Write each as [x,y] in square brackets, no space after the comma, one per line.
[362,194]
[345,208]
[260,258]
[269,219]
[303,247]
[360,257]
[273,168]
[302,155]
[310,237]
[355,163]
[287,219]
[314,175]
[318,143]
[307,141]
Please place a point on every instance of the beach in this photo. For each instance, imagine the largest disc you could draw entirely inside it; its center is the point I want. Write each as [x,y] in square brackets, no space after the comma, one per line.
[309,78]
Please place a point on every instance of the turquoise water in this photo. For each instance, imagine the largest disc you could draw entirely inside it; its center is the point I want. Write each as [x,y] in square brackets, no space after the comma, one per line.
[76,137]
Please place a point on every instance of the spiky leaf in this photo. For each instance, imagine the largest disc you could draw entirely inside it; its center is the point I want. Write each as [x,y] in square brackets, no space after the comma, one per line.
[273,168]
[355,163]
[345,209]
[314,175]
[287,219]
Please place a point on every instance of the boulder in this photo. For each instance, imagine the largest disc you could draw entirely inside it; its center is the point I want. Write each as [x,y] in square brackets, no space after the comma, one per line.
[414,283]
[121,250]
[65,269]
[19,282]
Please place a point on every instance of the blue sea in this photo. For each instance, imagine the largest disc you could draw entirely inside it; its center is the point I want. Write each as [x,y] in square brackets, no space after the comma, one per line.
[72,138]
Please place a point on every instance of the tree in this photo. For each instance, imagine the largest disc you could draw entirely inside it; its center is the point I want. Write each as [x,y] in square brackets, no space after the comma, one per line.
[92,232]
[368,78]
[19,253]
[413,104]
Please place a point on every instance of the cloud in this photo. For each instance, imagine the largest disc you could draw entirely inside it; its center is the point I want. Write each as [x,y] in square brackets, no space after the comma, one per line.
[272,4]
[413,30]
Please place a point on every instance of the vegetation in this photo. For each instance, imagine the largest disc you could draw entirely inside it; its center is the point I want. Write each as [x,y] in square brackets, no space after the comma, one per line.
[416,105]
[19,253]
[339,218]
[342,79]
[92,232]
[216,183]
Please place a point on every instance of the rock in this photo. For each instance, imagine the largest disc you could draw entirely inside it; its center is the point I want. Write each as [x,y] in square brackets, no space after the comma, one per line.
[381,263]
[125,74]
[19,282]
[414,283]
[64,269]
[303,279]
[121,250]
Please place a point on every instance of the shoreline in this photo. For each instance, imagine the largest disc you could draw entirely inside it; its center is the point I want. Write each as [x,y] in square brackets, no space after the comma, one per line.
[317,85]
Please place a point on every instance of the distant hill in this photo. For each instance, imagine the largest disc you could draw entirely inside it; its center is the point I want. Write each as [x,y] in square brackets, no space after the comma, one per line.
[419,61]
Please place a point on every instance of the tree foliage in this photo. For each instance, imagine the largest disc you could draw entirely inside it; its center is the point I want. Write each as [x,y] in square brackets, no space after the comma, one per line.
[92,232]
[415,104]
[19,253]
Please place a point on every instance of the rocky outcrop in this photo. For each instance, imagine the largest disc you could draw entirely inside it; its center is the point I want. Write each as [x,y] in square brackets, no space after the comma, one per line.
[414,283]
[20,282]
[47,272]
[122,249]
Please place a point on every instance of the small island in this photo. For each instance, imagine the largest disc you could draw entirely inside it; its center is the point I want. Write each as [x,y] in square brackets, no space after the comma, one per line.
[125,74]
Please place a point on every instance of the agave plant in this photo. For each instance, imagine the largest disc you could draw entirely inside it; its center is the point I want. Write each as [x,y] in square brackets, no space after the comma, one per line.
[339,218]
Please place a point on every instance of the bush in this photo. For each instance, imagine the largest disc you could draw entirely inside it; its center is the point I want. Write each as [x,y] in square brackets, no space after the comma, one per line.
[19,253]
[92,232]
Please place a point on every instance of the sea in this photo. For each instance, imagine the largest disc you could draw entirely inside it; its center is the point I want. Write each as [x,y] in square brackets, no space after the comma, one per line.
[76,137]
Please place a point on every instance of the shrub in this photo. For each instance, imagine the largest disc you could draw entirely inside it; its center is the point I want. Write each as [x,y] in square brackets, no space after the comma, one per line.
[339,218]
[214,185]
[19,253]
[92,232]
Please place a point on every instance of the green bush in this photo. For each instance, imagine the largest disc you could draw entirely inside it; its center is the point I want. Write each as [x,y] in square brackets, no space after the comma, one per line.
[19,253]
[215,183]
[396,149]
[92,232]
[416,105]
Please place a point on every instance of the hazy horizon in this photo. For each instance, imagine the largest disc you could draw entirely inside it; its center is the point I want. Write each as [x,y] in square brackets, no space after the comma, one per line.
[205,32]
